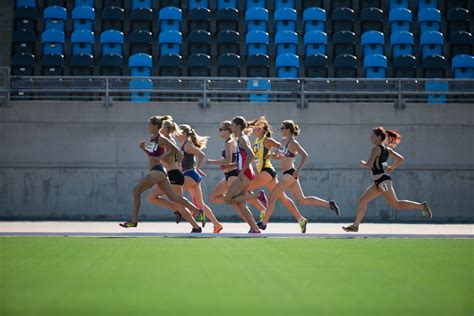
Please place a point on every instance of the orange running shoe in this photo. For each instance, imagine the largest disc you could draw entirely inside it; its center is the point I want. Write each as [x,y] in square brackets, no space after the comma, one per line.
[217,229]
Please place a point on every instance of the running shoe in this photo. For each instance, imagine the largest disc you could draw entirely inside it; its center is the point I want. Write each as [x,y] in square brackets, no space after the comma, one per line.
[196,230]
[202,218]
[179,217]
[262,215]
[333,206]
[261,225]
[263,198]
[254,232]
[128,224]
[351,229]
[303,223]
[217,229]
[426,210]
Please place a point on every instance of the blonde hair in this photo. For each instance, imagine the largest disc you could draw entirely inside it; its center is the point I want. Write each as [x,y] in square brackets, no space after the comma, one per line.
[168,123]
[261,122]
[198,141]
[292,126]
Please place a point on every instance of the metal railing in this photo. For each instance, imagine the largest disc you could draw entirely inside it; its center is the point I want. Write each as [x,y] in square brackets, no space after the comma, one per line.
[4,86]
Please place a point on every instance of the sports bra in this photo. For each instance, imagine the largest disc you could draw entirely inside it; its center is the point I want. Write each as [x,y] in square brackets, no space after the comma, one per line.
[283,150]
[188,160]
[153,149]
[234,155]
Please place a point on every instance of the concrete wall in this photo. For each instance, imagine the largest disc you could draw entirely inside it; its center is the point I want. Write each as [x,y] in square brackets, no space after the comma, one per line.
[72,160]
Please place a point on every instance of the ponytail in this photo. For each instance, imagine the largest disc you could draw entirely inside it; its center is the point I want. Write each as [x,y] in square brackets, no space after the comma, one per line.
[158,120]
[198,141]
[244,126]
[261,122]
[292,126]
[391,138]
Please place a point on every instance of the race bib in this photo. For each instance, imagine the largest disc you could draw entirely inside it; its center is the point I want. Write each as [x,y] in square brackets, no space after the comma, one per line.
[151,147]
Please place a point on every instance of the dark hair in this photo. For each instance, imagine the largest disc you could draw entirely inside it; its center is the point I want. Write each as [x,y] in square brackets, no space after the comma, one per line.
[261,122]
[158,120]
[292,126]
[391,137]
[198,141]
[242,123]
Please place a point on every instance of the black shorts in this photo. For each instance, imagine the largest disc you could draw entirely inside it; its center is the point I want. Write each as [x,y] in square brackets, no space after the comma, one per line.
[176,177]
[383,178]
[233,173]
[270,171]
[289,171]
[159,167]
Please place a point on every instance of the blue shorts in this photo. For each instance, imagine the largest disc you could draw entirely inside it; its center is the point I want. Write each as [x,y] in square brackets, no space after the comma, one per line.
[193,175]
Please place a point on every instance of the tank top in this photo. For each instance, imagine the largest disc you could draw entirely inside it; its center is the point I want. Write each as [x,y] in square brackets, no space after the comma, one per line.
[153,149]
[234,155]
[380,162]
[242,156]
[188,160]
[261,152]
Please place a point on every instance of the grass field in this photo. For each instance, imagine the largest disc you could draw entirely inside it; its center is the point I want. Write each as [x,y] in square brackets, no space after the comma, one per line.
[164,276]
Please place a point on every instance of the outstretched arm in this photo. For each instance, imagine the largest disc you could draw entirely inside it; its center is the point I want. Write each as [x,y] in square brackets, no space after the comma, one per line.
[373,154]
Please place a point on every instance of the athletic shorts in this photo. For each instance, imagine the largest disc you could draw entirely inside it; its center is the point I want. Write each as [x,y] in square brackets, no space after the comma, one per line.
[270,171]
[249,173]
[290,171]
[193,175]
[233,173]
[383,178]
[176,177]
[159,167]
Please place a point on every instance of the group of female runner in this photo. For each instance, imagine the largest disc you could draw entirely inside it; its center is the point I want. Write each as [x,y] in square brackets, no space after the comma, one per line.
[175,169]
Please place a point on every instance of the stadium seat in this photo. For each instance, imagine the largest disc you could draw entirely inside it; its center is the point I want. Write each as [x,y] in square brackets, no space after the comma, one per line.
[344,42]
[228,42]
[170,3]
[257,43]
[199,65]
[170,42]
[313,4]
[82,65]
[83,18]
[259,84]
[315,43]
[429,20]
[285,20]
[255,3]
[25,18]
[170,19]
[111,42]
[170,65]
[256,19]
[139,89]
[451,4]
[427,4]
[111,65]
[112,18]
[431,43]
[194,4]
[226,4]
[284,4]
[23,64]
[228,65]
[286,42]
[25,3]
[112,3]
[341,4]
[199,42]
[395,4]
[140,65]
[343,19]
[147,4]
[402,43]
[55,18]
[52,65]
[84,3]
[199,19]
[463,67]
[400,19]
[371,19]
[314,19]
[434,66]
[404,66]
[345,66]
[287,66]
[258,65]
[364,4]
[52,42]
[227,19]
[316,66]
[373,42]
[458,20]
[375,66]
[436,86]
[24,41]
[461,43]
[82,42]
[59,3]
[141,19]
[140,42]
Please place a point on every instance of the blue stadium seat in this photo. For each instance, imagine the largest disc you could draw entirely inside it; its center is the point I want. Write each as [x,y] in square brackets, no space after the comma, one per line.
[400,19]
[344,42]
[170,65]
[394,4]
[404,66]
[228,65]
[140,42]
[193,4]
[111,42]
[25,18]
[284,4]
[286,42]
[343,19]
[82,42]
[429,20]
[52,64]
[112,18]
[83,18]
[170,19]
[342,4]
[458,20]
[258,65]
[316,66]
[315,43]
[364,4]
[142,4]
[287,66]
[24,41]
[345,66]
[256,19]
[285,20]
[371,19]
[313,4]
[402,43]
[255,3]
[257,43]
[375,66]
[431,43]
[23,64]
[170,42]
[426,4]
[82,65]
[373,42]
[25,3]
[199,19]
[84,3]
[55,18]
[259,84]
[226,4]
[61,3]
[199,65]
[228,42]
[111,65]
[463,67]
[140,89]
[140,65]
[199,42]
[314,19]
[434,66]
[227,19]
[436,86]
[460,43]
[52,42]
[141,19]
